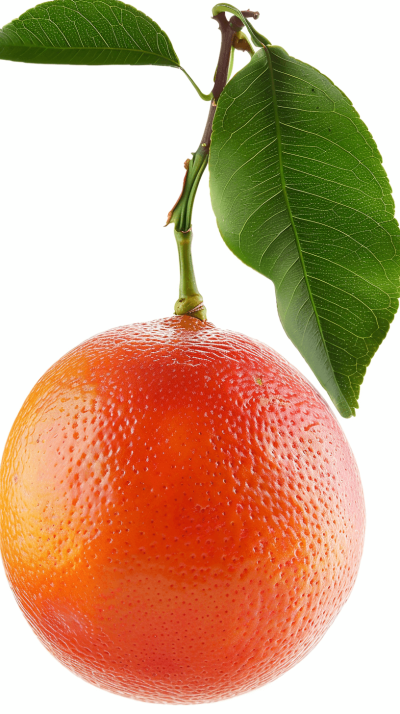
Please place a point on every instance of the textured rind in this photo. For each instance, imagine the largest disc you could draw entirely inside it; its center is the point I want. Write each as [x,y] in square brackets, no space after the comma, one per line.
[181,515]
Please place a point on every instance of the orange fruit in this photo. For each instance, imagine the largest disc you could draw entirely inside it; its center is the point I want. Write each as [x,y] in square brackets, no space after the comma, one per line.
[181,515]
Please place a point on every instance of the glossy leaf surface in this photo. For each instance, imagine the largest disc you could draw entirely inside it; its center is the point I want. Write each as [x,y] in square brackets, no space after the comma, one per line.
[301,196]
[86,32]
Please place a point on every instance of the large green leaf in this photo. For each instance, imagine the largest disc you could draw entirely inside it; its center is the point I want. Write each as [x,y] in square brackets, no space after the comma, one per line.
[301,196]
[86,32]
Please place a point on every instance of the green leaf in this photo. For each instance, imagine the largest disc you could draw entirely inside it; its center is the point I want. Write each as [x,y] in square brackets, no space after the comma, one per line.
[300,195]
[90,32]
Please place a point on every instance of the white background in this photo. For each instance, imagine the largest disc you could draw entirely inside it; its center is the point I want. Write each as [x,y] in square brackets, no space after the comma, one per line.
[91,162]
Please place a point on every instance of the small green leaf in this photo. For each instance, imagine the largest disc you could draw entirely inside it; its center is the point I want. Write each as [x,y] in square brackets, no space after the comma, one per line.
[90,32]
[300,195]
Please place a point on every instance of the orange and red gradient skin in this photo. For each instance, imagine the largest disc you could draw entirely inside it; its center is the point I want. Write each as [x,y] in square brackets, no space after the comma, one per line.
[181,515]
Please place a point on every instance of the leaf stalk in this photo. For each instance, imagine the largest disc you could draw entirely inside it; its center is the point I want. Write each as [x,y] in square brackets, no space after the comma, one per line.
[205,97]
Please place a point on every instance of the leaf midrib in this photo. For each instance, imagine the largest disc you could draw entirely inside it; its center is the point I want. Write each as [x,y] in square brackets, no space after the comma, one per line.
[89,49]
[287,202]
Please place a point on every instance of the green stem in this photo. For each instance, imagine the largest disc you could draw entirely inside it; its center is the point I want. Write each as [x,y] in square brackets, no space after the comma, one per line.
[181,214]
[190,301]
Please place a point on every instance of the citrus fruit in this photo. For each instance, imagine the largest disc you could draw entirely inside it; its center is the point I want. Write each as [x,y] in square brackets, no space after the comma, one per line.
[181,515]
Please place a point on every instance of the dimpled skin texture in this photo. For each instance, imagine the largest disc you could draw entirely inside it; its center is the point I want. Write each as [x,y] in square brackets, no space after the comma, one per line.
[182,516]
